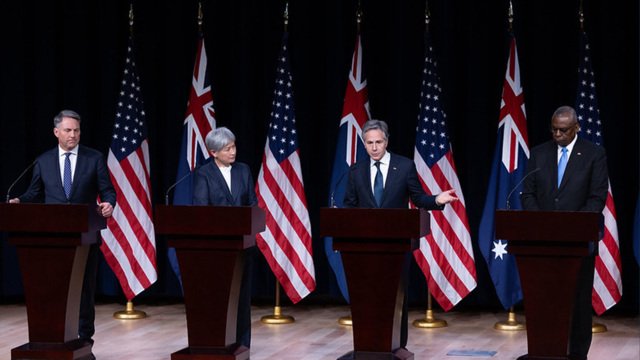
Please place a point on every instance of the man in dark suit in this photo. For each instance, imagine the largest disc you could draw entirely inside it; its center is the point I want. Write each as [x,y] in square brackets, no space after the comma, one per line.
[225,182]
[387,180]
[74,174]
[572,177]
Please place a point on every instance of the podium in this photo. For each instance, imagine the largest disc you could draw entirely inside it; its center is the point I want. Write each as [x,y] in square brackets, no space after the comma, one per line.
[374,244]
[209,243]
[549,247]
[52,242]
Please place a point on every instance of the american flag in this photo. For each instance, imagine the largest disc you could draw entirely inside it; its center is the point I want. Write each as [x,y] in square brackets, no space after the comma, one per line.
[286,242]
[446,254]
[199,121]
[607,282]
[507,170]
[349,149]
[129,245]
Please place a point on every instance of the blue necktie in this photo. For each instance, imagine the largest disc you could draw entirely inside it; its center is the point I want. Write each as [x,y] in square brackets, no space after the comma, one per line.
[378,187]
[562,165]
[66,179]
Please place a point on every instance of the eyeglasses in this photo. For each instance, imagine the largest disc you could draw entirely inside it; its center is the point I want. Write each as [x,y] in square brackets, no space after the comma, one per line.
[562,130]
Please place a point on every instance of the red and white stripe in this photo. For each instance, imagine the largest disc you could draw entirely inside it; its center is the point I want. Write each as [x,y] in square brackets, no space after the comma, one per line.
[607,281]
[129,244]
[286,241]
[446,254]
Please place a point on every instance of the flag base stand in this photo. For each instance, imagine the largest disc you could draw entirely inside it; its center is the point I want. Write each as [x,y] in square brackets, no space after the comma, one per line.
[345,320]
[429,322]
[277,318]
[511,324]
[598,328]
[129,313]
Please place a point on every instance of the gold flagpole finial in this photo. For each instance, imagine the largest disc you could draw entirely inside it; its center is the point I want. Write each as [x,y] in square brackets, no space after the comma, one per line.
[427,14]
[359,15]
[581,16]
[285,15]
[200,16]
[131,16]
[510,16]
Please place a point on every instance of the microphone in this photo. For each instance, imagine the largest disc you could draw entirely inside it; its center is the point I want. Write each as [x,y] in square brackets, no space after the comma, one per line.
[166,194]
[332,201]
[520,183]
[18,179]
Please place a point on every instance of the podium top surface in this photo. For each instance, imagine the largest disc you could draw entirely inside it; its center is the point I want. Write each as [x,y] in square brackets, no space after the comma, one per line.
[209,220]
[567,226]
[374,223]
[50,218]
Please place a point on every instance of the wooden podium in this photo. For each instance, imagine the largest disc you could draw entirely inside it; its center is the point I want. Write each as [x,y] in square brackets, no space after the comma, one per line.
[209,243]
[549,247]
[374,244]
[52,242]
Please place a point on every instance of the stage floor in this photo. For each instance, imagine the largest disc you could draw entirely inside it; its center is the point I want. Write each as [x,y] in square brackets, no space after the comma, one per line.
[315,335]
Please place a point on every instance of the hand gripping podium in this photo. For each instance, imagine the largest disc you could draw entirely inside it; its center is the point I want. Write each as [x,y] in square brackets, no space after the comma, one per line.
[52,242]
[549,247]
[209,243]
[374,244]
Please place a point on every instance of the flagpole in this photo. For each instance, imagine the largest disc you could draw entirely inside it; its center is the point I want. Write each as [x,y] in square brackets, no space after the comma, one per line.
[346,320]
[595,326]
[277,318]
[429,322]
[129,313]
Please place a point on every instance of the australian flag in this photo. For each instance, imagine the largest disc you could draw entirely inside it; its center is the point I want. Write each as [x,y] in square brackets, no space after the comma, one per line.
[507,169]
[199,121]
[349,149]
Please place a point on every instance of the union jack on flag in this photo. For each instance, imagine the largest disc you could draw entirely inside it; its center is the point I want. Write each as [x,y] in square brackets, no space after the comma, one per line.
[349,149]
[446,254]
[129,245]
[286,242]
[507,170]
[607,281]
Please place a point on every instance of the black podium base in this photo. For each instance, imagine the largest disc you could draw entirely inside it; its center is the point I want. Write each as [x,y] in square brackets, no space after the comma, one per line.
[398,354]
[531,357]
[70,350]
[231,352]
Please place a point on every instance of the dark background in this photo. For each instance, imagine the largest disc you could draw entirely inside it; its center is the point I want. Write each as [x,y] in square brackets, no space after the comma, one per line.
[70,54]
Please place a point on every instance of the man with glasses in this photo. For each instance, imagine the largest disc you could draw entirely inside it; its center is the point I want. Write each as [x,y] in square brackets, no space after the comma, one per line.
[572,177]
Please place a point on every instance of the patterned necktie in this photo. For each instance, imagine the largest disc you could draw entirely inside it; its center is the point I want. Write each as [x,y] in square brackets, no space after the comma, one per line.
[562,165]
[66,179]
[378,187]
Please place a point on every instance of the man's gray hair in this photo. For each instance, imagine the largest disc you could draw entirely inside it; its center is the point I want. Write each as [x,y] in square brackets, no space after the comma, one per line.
[219,138]
[566,111]
[63,114]
[376,125]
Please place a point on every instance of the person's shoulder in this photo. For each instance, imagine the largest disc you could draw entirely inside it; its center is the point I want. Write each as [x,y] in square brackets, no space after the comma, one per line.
[545,146]
[49,153]
[88,151]
[399,159]
[586,145]
[241,166]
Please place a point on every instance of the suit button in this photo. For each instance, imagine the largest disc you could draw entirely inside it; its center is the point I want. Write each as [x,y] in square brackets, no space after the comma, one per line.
[556,200]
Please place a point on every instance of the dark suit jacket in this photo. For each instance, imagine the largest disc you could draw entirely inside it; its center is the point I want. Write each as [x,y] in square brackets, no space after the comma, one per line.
[91,178]
[584,184]
[401,185]
[210,188]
